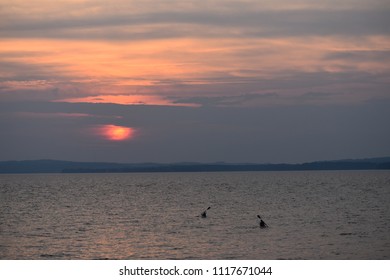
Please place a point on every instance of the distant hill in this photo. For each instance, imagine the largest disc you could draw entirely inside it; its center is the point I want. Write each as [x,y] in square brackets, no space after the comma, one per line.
[57,166]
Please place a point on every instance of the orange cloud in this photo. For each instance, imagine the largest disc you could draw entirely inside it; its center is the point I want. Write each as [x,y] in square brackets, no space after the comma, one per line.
[155,72]
[127,100]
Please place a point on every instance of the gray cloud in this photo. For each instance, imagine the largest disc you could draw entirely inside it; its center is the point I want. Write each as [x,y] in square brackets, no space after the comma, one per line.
[359,56]
[231,23]
[235,100]
[215,89]
[20,71]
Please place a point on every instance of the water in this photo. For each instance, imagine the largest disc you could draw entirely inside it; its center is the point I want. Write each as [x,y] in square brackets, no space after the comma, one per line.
[311,215]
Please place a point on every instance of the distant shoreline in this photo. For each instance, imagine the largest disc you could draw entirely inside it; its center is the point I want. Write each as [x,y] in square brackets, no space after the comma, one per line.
[57,166]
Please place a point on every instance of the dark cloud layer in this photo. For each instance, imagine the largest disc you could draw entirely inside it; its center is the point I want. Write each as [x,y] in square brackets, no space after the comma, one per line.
[203,23]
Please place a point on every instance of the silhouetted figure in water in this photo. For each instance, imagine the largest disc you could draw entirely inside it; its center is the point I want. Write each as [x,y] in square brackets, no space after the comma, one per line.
[262,223]
[204,213]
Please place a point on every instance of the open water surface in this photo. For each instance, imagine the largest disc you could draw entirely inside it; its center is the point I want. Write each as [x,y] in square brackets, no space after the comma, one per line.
[311,215]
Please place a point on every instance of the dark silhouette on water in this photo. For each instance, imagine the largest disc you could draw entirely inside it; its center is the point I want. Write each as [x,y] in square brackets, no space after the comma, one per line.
[204,213]
[262,223]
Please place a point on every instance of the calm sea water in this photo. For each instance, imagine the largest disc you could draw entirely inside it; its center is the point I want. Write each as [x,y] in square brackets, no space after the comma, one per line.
[311,215]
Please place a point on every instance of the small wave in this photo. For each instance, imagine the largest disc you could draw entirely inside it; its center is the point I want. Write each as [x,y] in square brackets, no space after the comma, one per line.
[56,256]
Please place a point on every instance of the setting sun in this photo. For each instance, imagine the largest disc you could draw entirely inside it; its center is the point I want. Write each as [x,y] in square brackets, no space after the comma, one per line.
[115,132]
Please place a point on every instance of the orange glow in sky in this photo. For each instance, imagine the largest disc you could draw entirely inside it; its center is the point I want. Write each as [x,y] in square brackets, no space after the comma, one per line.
[151,53]
[115,132]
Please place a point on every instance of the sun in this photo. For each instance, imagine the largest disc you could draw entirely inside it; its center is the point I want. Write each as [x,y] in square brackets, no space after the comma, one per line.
[115,132]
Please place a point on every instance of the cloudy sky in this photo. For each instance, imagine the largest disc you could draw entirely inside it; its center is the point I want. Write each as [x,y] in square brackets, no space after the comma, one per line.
[216,80]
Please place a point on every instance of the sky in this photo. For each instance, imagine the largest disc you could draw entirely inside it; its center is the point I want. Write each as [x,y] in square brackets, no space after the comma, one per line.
[255,81]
